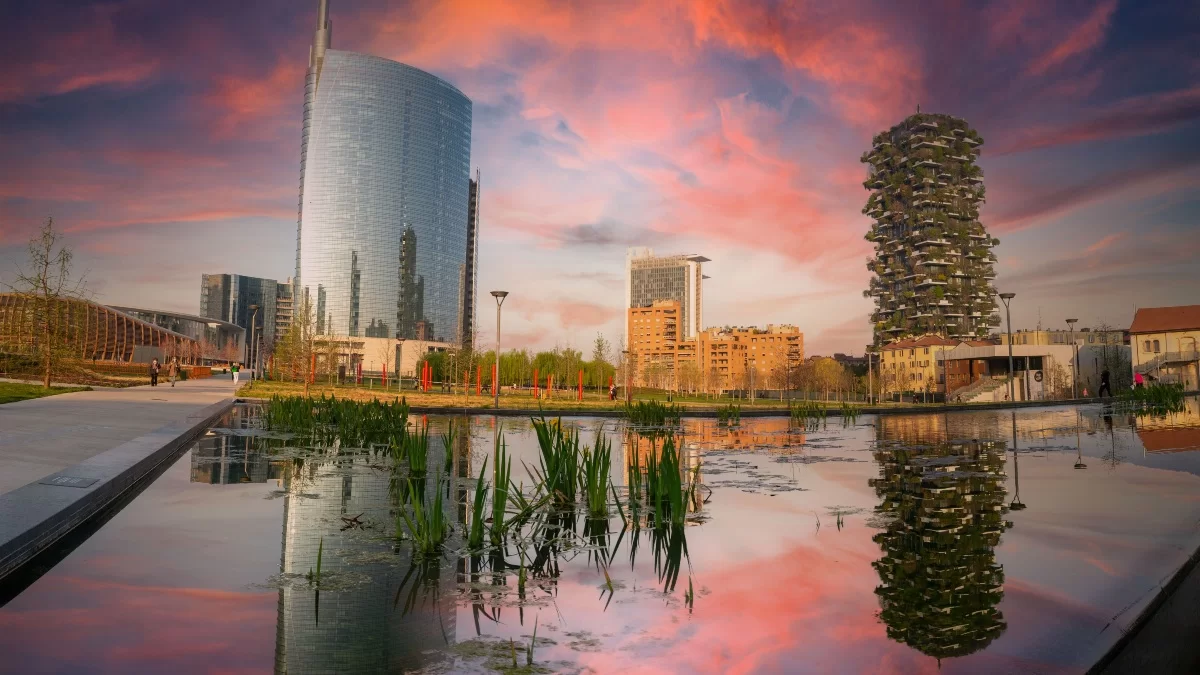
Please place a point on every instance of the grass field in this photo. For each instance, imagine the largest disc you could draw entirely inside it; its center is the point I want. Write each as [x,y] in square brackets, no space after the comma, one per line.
[16,391]
[560,400]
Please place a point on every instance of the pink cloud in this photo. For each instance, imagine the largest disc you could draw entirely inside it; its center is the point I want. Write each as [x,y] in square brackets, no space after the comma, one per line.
[1082,39]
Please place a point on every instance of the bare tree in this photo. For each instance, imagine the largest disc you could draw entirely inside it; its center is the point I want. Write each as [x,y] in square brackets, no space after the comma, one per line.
[50,294]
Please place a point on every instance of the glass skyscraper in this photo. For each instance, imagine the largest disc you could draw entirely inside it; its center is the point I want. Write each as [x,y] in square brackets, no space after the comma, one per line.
[383,240]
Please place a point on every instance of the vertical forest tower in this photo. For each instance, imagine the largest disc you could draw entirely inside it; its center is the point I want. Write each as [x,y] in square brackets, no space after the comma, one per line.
[933,263]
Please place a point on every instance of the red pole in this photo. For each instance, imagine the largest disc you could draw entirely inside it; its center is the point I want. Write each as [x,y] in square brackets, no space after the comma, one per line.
[312,370]
[385,374]
[495,384]
[358,375]
[581,385]
[478,380]
[535,383]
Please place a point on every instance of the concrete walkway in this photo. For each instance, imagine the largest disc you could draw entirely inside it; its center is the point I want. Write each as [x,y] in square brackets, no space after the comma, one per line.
[41,436]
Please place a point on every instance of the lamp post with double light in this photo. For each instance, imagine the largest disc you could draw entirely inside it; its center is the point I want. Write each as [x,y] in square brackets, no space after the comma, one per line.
[1074,360]
[1007,297]
[499,296]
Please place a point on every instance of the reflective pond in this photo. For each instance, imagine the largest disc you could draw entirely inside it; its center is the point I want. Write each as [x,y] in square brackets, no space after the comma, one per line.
[966,542]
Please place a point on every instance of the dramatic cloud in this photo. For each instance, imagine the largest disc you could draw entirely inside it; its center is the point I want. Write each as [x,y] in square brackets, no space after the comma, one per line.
[731,128]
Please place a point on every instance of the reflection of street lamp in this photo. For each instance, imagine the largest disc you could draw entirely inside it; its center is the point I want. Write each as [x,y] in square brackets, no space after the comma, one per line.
[499,296]
[253,325]
[1078,448]
[1016,504]
[1006,297]
[1074,361]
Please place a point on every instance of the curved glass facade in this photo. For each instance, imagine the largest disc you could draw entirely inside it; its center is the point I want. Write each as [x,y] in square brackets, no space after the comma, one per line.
[383,227]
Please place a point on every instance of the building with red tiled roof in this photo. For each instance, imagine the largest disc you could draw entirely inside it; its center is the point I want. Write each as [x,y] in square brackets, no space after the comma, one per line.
[1164,342]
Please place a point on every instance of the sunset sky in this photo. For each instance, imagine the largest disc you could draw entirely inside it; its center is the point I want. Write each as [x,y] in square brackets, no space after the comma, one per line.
[164,138]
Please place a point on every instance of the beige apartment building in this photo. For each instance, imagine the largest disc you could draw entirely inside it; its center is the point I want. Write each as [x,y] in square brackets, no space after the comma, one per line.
[653,340]
[1164,344]
[715,360]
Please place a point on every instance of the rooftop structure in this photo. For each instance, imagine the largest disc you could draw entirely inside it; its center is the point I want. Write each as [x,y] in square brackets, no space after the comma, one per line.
[99,333]
[650,278]
[933,262]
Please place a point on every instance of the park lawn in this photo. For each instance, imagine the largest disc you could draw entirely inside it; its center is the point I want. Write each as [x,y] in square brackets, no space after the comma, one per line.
[11,392]
[524,400]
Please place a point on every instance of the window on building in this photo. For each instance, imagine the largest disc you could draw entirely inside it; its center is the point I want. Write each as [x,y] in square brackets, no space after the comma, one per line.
[1091,338]
[927,351]
[1146,345]
[1156,346]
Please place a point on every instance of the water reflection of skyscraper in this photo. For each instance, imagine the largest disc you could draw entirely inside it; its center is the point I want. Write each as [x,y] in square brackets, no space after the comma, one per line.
[939,581]
[359,624]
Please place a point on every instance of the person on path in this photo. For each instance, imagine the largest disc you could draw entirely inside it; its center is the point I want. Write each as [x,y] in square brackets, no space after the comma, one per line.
[1138,381]
[1104,386]
[234,369]
[154,366]
[612,392]
[173,370]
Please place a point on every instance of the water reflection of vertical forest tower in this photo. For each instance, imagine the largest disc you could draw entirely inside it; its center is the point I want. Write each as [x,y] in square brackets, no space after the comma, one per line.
[939,581]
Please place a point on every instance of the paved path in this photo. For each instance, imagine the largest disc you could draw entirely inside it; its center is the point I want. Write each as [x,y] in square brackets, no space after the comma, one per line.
[45,435]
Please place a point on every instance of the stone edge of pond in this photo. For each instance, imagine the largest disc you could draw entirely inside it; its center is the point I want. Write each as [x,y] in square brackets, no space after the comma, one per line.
[34,517]
[751,412]
[1139,631]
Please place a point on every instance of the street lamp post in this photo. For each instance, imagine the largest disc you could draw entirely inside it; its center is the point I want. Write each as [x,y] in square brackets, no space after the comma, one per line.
[253,325]
[1074,360]
[1006,297]
[499,296]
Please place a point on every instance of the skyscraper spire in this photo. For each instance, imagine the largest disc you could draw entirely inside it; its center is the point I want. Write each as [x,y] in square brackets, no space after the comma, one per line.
[322,37]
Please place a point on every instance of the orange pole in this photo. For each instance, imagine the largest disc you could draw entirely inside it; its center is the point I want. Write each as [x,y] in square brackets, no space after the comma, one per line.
[478,379]
[535,383]
[495,384]
[312,370]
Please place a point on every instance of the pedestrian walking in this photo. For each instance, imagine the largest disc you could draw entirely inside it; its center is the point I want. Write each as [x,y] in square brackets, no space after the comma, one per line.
[234,369]
[173,370]
[154,366]
[1105,389]
[1138,381]
[612,392]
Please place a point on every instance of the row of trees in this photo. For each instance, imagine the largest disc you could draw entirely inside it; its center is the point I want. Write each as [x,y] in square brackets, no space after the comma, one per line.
[518,366]
[820,375]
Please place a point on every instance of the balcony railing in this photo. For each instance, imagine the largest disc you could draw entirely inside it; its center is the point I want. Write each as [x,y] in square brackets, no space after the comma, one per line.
[1168,358]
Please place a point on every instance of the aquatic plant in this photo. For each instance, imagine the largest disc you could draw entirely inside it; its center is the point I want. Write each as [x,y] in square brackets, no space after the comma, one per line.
[426,526]
[532,641]
[352,423]
[501,480]
[1155,399]
[729,415]
[808,414]
[652,414]
[559,462]
[594,476]
[475,535]
[416,450]
[316,578]
[666,493]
